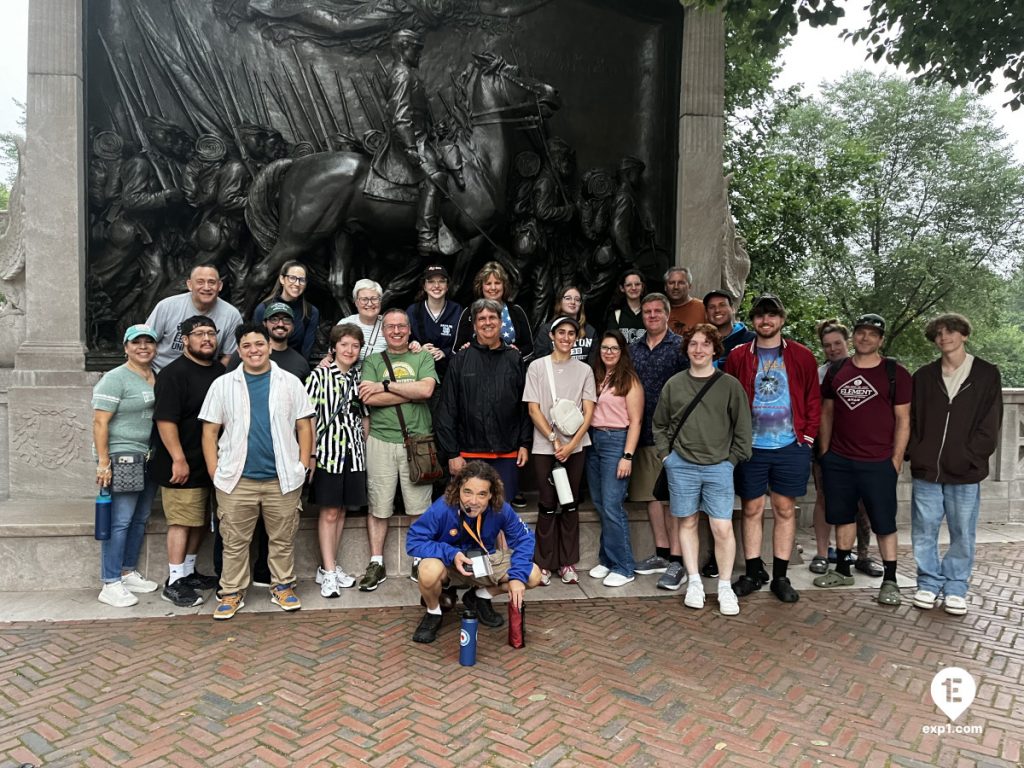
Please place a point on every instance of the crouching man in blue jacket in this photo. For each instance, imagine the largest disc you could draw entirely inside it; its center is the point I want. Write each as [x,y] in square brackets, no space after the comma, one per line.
[469,517]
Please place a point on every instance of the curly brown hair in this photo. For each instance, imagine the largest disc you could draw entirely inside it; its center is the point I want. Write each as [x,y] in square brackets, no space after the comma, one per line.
[710,333]
[481,471]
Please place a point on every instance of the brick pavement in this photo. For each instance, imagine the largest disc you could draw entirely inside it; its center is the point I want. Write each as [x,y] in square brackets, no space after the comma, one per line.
[835,680]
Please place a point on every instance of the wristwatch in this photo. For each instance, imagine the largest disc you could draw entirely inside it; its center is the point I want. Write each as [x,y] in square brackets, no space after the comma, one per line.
[387,385]
[627,456]
[552,437]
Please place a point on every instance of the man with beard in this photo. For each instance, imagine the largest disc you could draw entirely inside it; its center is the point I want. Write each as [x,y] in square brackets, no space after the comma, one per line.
[279,319]
[780,377]
[178,464]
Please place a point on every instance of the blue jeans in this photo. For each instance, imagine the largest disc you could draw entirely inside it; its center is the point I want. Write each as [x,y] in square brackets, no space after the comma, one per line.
[129,513]
[959,504]
[608,492]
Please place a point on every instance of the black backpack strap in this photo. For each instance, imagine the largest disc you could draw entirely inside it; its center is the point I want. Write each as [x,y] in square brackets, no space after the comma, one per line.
[834,368]
[890,372]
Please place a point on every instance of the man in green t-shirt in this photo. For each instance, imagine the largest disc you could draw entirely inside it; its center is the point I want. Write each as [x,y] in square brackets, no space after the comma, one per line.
[408,384]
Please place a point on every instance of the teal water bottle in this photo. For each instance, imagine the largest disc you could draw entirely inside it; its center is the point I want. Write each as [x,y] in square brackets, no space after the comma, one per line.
[103,504]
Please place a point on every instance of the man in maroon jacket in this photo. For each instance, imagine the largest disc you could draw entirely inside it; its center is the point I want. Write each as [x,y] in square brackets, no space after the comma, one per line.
[781,381]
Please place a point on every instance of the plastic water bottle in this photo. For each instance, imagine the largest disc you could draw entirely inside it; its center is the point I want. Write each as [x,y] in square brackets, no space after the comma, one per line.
[467,639]
[103,503]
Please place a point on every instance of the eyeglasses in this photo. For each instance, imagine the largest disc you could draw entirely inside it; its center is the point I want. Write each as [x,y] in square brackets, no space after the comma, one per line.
[295,279]
[369,302]
[281,320]
[437,281]
[203,334]
[610,349]
[396,327]
[573,299]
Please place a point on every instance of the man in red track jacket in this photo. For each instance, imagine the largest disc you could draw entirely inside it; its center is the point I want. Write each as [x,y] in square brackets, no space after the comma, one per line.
[781,381]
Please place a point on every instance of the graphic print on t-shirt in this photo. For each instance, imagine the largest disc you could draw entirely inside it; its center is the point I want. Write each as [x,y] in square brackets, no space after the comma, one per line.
[771,412]
[855,392]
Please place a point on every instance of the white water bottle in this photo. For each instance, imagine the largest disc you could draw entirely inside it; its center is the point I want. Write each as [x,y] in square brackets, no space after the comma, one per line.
[561,480]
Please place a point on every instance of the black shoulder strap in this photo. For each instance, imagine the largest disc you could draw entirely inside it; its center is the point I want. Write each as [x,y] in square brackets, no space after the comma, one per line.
[890,372]
[835,367]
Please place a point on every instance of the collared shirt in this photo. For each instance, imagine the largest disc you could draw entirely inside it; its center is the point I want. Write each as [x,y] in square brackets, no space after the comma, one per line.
[655,367]
[339,418]
[227,404]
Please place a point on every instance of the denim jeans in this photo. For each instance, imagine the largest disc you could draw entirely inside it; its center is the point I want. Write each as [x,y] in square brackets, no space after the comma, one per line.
[608,492]
[959,504]
[129,513]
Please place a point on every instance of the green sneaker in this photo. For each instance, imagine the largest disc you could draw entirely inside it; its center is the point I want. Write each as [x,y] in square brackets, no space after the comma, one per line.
[375,575]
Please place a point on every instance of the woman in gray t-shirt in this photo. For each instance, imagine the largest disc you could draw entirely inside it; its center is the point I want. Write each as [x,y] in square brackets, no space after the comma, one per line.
[122,422]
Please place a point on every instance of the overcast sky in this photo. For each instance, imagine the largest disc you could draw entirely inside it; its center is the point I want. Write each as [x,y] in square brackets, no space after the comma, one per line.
[816,55]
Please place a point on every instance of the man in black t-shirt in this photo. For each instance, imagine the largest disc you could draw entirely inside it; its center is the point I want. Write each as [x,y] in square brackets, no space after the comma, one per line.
[178,464]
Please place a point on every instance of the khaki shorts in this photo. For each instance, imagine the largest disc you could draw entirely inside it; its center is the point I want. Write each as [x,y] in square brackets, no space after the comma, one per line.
[185,506]
[501,561]
[646,468]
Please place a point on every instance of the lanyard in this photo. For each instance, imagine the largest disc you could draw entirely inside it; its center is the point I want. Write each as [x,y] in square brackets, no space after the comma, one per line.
[476,536]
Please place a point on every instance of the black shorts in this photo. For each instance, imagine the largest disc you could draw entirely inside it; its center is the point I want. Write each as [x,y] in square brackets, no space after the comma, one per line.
[848,481]
[347,489]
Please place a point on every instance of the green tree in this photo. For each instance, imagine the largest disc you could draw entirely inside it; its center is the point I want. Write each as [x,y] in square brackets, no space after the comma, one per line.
[918,206]
[958,42]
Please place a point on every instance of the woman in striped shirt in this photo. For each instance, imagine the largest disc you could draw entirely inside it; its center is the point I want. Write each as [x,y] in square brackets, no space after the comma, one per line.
[339,481]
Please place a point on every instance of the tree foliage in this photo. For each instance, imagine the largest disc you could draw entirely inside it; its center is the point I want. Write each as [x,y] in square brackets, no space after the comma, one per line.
[882,196]
[959,42]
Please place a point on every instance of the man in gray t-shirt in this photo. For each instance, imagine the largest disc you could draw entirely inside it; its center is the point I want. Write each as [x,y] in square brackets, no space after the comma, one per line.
[204,286]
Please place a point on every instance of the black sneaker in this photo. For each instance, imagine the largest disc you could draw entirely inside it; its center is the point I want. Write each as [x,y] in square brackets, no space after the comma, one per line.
[181,594]
[200,582]
[745,585]
[783,590]
[485,612]
[428,628]
[518,501]
[375,575]
[710,569]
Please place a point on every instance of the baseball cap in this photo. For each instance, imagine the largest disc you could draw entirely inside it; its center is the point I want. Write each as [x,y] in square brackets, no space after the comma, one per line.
[870,320]
[767,302]
[435,270]
[562,320]
[278,308]
[712,294]
[139,329]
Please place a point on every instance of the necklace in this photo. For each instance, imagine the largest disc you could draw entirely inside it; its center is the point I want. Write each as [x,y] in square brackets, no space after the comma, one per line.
[767,364]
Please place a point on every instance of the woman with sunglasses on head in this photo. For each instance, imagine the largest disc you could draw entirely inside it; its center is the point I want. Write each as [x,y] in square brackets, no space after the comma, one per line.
[292,281]
[493,282]
[569,303]
[614,434]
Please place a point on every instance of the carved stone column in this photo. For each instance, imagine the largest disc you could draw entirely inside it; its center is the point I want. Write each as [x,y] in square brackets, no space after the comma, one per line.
[49,416]
[700,212]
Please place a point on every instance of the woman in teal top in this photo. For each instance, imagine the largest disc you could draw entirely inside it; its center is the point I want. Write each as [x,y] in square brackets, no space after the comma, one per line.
[122,422]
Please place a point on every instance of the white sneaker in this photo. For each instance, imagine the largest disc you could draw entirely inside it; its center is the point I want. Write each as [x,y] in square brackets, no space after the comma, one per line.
[136,582]
[116,594]
[329,585]
[320,575]
[728,605]
[617,580]
[598,572]
[955,605]
[694,595]
[924,599]
[344,580]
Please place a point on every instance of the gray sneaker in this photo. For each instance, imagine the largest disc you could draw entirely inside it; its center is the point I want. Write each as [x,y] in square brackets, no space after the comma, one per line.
[672,578]
[652,564]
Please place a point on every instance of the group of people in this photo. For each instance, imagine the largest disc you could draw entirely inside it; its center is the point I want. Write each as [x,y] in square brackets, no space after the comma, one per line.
[718,408]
